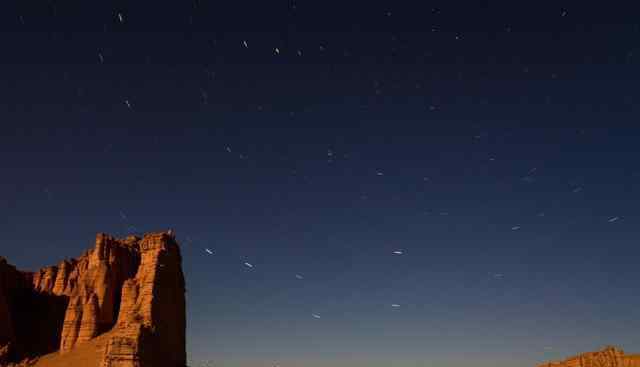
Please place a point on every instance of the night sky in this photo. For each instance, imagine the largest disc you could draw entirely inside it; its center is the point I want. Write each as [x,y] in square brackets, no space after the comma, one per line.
[353,184]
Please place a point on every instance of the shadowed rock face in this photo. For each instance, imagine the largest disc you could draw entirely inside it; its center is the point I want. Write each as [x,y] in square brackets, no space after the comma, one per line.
[131,289]
[10,281]
[608,357]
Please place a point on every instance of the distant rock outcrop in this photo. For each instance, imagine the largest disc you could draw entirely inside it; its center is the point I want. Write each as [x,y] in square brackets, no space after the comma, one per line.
[130,292]
[608,357]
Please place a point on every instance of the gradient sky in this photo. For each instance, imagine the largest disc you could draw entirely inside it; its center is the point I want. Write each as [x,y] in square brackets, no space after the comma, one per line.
[495,145]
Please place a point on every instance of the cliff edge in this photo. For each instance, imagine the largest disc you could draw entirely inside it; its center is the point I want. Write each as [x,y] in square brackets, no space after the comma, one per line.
[120,304]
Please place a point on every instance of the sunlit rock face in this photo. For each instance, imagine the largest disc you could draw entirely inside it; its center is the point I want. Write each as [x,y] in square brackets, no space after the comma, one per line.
[608,357]
[128,294]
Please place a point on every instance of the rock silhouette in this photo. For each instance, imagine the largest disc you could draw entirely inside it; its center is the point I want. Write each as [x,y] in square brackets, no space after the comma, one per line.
[607,357]
[120,304]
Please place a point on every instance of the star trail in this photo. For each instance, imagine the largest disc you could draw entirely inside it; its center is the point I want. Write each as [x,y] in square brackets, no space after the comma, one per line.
[353,184]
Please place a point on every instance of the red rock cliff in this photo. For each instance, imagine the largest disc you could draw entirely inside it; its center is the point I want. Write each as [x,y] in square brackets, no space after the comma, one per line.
[607,357]
[129,291]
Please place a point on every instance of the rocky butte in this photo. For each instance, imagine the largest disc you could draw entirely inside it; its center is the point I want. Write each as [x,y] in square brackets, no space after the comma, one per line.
[608,357]
[120,304]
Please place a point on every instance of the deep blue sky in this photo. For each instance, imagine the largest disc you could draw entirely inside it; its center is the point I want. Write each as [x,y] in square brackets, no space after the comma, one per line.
[495,145]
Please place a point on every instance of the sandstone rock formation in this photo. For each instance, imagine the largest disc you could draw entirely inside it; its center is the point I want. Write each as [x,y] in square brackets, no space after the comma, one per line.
[608,357]
[128,295]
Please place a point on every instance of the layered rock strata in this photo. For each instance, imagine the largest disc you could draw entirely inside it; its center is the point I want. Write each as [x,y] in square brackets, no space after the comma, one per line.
[607,357]
[131,289]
